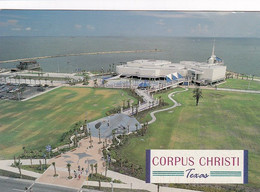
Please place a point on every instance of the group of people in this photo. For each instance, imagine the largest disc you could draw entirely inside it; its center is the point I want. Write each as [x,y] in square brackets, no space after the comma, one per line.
[77,174]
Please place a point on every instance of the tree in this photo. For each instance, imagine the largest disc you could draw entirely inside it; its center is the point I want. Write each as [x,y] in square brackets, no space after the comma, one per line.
[18,164]
[96,166]
[123,103]
[24,150]
[128,103]
[86,79]
[136,126]
[95,83]
[85,128]
[197,94]
[31,155]
[92,167]
[40,164]
[55,173]
[160,100]
[99,138]
[68,166]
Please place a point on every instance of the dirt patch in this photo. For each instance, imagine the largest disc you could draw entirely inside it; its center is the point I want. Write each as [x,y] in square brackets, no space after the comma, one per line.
[11,150]
[216,95]
[105,93]
[80,92]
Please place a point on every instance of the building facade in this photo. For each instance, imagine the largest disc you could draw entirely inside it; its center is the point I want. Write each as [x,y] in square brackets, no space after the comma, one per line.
[199,72]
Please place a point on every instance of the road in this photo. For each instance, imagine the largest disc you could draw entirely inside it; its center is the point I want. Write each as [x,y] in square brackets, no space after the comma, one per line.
[18,185]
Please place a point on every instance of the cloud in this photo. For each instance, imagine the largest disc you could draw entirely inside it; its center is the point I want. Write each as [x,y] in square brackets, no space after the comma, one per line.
[10,22]
[28,29]
[160,22]
[78,26]
[90,27]
[175,14]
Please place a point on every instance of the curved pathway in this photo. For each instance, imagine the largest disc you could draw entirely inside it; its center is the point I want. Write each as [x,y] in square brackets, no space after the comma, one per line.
[166,109]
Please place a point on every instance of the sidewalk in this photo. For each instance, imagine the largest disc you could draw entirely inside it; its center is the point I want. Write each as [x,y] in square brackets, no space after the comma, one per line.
[6,165]
[132,183]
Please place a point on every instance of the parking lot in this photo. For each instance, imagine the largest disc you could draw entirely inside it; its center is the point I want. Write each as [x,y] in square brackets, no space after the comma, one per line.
[20,91]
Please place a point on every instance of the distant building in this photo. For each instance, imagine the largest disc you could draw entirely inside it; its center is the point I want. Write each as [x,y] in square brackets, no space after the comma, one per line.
[29,65]
[199,72]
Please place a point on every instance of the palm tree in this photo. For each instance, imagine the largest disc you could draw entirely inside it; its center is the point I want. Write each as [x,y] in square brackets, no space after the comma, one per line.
[68,166]
[160,100]
[31,155]
[95,83]
[24,150]
[40,164]
[18,164]
[136,126]
[197,93]
[96,166]
[113,67]
[128,103]
[123,103]
[105,82]
[92,167]
[99,135]
[55,173]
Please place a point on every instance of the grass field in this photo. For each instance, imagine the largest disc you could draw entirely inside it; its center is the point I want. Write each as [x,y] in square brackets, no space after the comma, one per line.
[241,84]
[223,120]
[42,120]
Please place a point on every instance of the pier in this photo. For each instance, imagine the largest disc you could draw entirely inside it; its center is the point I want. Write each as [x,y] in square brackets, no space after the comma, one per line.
[79,54]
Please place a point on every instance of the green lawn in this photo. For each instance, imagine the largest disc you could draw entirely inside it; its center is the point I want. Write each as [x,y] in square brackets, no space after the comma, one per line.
[42,120]
[223,120]
[241,84]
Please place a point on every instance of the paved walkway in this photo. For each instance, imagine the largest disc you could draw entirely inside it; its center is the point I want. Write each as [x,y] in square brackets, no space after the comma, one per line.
[238,90]
[174,105]
[41,93]
[82,156]
[6,165]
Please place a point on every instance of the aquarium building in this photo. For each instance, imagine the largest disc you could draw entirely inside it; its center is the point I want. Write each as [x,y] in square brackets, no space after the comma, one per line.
[208,72]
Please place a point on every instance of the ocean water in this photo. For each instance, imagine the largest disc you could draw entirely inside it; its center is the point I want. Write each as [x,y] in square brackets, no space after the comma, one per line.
[239,54]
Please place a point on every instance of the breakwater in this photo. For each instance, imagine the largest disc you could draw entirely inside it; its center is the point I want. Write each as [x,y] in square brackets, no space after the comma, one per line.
[79,54]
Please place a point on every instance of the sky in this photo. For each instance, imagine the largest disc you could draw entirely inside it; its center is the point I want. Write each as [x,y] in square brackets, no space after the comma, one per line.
[129,23]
